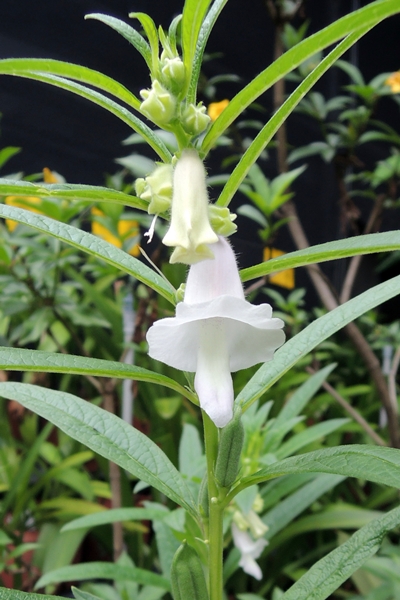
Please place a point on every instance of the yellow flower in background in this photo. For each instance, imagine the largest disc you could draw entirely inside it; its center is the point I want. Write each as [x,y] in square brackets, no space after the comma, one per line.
[127,230]
[284,278]
[215,109]
[31,203]
[394,82]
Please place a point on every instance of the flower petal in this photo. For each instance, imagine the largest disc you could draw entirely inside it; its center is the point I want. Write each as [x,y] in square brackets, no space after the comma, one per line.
[212,278]
[213,381]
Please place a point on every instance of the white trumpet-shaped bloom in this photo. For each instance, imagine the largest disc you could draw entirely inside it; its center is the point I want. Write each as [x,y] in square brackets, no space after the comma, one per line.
[250,550]
[216,332]
[190,230]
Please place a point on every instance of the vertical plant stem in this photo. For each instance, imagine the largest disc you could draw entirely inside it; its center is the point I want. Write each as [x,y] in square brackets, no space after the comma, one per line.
[215,537]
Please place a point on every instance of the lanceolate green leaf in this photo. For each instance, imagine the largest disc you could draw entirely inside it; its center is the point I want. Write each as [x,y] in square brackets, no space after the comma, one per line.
[87,193]
[116,109]
[330,572]
[103,570]
[7,594]
[373,463]
[128,32]
[287,510]
[366,17]
[305,341]
[13,66]
[114,516]
[193,15]
[204,34]
[152,35]
[105,434]
[92,245]
[361,244]
[20,359]
[268,131]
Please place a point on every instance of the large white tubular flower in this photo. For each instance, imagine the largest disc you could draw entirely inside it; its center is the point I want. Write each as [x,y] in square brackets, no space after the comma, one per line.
[190,230]
[249,551]
[216,332]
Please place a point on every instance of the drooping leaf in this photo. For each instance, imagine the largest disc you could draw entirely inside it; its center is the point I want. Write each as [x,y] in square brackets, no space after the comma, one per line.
[86,193]
[107,435]
[92,245]
[22,359]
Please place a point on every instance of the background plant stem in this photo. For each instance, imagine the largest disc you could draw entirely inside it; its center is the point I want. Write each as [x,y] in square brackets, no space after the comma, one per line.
[322,286]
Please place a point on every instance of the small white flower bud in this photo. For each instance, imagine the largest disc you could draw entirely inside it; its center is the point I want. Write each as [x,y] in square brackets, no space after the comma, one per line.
[190,230]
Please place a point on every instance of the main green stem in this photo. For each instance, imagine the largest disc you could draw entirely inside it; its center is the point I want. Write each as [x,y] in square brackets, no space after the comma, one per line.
[216,512]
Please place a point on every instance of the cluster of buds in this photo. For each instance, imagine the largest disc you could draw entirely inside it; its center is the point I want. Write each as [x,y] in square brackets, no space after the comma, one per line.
[164,102]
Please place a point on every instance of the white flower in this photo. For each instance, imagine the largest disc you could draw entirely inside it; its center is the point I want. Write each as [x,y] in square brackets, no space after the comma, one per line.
[249,550]
[216,332]
[190,230]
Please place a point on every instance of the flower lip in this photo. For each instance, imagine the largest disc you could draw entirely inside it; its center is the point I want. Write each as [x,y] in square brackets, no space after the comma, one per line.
[216,332]
[252,335]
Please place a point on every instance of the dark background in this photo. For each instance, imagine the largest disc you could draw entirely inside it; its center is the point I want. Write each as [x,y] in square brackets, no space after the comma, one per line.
[79,140]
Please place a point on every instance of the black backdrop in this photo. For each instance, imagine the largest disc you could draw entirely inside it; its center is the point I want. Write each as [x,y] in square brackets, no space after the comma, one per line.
[81,141]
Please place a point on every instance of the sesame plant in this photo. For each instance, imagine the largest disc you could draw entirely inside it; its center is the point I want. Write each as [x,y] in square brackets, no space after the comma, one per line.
[214,330]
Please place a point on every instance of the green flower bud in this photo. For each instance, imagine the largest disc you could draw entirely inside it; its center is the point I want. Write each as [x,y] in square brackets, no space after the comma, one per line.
[229,451]
[221,220]
[173,73]
[156,189]
[158,104]
[195,119]
[187,576]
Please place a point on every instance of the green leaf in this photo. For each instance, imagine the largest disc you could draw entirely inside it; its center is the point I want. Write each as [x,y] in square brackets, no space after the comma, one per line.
[94,246]
[105,434]
[86,193]
[330,572]
[193,15]
[308,436]
[21,359]
[204,34]
[381,465]
[115,515]
[268,131]
[290,60]
[128,32]
[102,570]
[85,92]
[305,341]
[7,594]
[360,244]
[7,153]
[299,399]
[12,66]
[292,506]
[337,516]
[151,31]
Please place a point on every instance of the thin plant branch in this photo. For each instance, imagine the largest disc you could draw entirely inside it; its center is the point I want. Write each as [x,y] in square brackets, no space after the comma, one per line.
[351,411]
[355,261]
